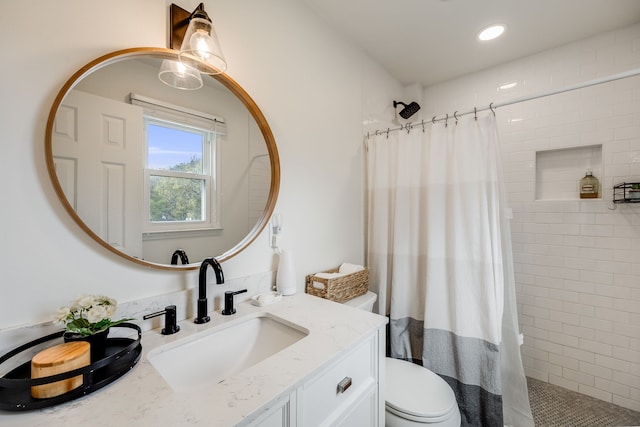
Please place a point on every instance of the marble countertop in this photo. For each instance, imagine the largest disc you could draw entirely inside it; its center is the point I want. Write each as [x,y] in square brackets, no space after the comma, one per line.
[143,398]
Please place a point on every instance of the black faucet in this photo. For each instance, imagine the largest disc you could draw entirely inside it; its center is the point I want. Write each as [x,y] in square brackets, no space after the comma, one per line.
[228,302]
[179,253]
[170,319]
[202,316]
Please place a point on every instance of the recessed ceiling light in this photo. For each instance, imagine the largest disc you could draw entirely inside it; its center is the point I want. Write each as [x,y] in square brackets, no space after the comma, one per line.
[508,85]
[491,32]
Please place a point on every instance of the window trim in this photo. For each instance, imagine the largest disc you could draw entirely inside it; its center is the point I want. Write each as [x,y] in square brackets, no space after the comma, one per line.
[213,129]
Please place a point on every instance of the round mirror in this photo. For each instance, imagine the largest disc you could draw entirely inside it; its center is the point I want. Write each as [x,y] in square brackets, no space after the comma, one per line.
[162,176]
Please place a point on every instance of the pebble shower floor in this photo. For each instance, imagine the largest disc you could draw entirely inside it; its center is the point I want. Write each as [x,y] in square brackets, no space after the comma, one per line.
[554,406]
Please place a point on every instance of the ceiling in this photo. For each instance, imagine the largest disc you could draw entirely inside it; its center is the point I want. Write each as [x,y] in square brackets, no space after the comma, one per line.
[431,41]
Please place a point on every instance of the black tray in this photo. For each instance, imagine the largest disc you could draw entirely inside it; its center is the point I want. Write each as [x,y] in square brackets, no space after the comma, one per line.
[121,356]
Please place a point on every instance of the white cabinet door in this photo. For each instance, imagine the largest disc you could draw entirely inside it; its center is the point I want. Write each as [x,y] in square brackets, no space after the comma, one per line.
[362,414]
[280,415]
[326,398]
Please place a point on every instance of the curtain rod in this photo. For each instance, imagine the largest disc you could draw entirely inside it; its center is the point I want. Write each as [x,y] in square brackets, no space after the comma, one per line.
[492,106]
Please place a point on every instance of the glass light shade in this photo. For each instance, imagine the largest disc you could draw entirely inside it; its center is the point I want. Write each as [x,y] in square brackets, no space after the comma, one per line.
[179,75]
[200,48]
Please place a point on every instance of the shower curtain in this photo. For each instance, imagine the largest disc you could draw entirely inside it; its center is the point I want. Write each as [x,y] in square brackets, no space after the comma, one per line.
[439,250]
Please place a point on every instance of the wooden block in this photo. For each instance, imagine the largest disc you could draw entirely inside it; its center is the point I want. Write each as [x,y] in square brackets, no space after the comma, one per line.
[56,360]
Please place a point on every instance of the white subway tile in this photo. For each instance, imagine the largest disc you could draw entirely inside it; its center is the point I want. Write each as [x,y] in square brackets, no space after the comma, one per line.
[579,286]
[594,392]
[626,305]
[596,347]
[563,382]
[548,325]
[561,316]
[614,388]
[613,339]
[550,368]
[564,295]
[627,403]
[626,379]
[579,377]
[616,365]
[626,354]
[626,327]
[578,331]
[614,315]
[596,371]
[596,324]
[565,362]
[536,374]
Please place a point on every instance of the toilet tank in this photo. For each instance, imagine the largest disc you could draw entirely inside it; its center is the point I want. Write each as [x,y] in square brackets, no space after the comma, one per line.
[363,302]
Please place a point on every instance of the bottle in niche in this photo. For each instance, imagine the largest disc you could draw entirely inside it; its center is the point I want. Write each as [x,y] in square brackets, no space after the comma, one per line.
[589,186]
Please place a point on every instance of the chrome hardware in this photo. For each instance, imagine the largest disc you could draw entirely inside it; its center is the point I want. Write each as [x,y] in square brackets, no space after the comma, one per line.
[344,384]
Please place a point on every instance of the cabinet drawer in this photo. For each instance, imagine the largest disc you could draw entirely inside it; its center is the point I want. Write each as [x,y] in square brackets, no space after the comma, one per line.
[340,385]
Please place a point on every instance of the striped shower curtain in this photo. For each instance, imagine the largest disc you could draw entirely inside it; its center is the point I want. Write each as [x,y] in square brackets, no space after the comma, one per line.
[439,251]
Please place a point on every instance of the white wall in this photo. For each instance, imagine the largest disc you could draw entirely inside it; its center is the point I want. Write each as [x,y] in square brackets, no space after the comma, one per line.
[306,80]
[577,262]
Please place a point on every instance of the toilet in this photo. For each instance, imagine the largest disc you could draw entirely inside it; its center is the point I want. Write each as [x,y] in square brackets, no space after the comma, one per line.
[415,396]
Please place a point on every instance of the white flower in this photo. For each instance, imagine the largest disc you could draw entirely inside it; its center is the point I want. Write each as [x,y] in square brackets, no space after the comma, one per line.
[88,314]
[85,301]
[96,313]
[110,310]
[61,315]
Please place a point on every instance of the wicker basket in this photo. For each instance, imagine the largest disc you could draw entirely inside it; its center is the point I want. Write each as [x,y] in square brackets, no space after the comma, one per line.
[340,289]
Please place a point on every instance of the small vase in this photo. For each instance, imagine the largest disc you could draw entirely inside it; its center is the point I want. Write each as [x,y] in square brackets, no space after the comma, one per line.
[97,342]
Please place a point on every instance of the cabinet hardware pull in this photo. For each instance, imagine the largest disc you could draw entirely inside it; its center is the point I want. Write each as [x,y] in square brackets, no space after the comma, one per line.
[344,384]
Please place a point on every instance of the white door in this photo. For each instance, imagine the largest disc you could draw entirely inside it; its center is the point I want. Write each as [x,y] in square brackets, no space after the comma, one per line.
[97,146]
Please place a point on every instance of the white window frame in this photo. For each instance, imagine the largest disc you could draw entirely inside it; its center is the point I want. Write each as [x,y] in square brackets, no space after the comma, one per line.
[213,130]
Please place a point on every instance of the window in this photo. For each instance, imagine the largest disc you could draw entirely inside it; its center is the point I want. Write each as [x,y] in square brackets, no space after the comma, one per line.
[180,171]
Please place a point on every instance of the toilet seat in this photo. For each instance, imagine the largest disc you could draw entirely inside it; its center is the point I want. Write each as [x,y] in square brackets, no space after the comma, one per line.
[417,394]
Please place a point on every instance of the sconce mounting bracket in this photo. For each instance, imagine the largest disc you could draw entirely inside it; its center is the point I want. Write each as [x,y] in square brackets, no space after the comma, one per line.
[178,22]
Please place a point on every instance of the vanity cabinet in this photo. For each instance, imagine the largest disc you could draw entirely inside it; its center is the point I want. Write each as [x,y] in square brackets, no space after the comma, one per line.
[345,393]
[332,377]
[342,389]
[279,415]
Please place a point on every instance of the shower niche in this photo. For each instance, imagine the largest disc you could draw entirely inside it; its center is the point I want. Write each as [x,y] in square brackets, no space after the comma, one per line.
[558,172]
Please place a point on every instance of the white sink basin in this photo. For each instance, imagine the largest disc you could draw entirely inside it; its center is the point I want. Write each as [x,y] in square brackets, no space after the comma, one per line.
[211,356]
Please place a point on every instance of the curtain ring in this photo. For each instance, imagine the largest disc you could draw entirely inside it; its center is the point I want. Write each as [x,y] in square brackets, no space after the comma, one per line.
[423,125]
[446,121]
[408,127]
[455,114]
[433,120]
[475,113]
[388,133]
[492,110]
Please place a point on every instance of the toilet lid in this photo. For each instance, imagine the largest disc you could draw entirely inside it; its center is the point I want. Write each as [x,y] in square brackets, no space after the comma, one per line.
[416,391]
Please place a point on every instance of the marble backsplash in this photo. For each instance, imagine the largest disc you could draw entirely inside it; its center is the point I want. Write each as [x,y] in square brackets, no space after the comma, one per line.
[185,302]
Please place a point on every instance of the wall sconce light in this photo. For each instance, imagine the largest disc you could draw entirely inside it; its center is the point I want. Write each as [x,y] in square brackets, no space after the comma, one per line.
[179,76]
[194,36]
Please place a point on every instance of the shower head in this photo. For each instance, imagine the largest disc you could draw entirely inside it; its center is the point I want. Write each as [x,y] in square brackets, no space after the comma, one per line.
[408,110]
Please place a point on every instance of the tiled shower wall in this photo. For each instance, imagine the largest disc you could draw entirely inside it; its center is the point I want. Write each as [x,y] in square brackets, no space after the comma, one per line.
[577,261]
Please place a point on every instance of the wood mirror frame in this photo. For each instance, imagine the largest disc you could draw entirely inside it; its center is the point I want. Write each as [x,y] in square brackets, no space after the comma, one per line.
[228,83]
